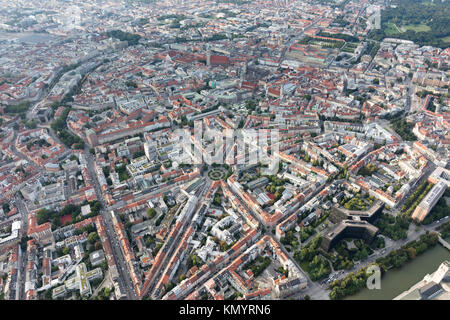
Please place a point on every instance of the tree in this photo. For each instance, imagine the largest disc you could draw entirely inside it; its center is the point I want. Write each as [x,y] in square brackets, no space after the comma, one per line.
[411,253]
[43,215]
[193,260]
[48,294]
[131,38]
[6,207]
[31,124]
[151,212]
[138,154]
[65,251]
[217,201]
[97,245]
[20,108]
[93,237]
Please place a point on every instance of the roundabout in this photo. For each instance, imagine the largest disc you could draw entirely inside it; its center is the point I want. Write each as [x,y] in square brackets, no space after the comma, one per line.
[217,173]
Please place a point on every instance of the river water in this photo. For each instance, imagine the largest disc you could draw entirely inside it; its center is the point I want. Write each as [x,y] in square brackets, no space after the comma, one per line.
[396,281]
[28,37]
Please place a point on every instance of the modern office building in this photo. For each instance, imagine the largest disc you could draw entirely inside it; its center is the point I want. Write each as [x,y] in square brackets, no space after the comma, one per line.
[430,200]
[349,229]
[339,213]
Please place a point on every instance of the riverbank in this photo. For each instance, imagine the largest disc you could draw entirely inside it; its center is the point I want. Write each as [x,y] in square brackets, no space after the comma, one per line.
[395,260]
[395,281]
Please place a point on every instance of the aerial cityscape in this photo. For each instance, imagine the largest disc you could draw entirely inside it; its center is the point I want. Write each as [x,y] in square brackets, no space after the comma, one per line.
[224,150]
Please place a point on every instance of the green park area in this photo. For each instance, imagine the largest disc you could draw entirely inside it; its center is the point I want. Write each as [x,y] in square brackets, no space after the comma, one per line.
[424,22]
[216,173]
[393,29]
[356,281]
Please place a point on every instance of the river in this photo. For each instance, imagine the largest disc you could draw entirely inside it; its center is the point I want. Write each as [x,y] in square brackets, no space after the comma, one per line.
[28,37]
[396,281]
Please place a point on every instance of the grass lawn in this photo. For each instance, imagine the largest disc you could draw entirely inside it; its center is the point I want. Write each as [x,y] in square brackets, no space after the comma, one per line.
[304,265]
[352,44]
[348,49]
[416,27]
[391,29]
